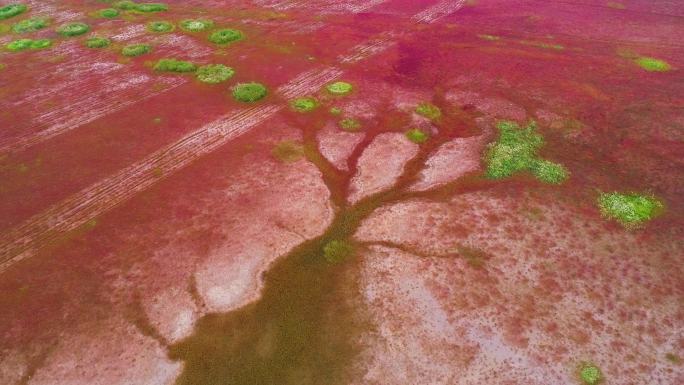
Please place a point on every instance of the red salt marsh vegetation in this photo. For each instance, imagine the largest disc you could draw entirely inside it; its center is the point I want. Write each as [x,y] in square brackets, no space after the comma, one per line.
[360,192]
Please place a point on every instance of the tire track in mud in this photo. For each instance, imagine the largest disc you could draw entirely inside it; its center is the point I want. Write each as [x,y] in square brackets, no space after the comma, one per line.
[44,228]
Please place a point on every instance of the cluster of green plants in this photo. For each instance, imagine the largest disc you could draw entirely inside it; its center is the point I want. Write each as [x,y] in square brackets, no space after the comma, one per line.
[97,42]
[631,209]
[24,44]
[30,25]
[214,73]
[249,92]
[108,13]
[226,36]
[174,65]
[590,374]
[339,88]
[160,26]
[11,10]
[304,104]
[128,5]
[73,29]
[417,135]
[136,50]
[196,25]
[652,64]
[429,111]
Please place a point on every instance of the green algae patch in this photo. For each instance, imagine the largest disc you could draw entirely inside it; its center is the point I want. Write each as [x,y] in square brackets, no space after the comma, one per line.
[174,65]
[417,135]
[288,151]
[196,25]
[30,25]
[12,10]
[136,50]
[214,73]
[516,151]
[160,26]
[226,36]
[652,64]
[24,44]
[249,92]
[349,124]
[97,42]
[590,374]
[429,111]
[339,88]
[631,210]
[108,13]
[337,251]
[73,29]
[304,104]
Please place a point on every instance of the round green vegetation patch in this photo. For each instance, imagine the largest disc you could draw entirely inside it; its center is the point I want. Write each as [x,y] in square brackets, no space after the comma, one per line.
[73,29]
[304,104]
[335,110]
[12,10]
[417,135]
[108,13]
[214,73]
[590,374]
[429,111]
[30,25]
[339,88]
[151,7]
[631,210]
[196,25]
[249,92]
[549,172]
[173,65]
[97,42]
[225,36]
[126,5]
[652,65]
[337,251]
[349,124]
[23,44]
[160,26]
[136,49]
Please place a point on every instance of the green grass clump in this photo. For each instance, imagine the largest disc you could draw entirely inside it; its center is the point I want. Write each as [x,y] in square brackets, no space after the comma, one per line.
[173,65]
[97,42]
[417,135]
[337,251]
[126,5]
[23,44]
[11,10]
[350,124]
[335,110]
[30,25]
[160,26]
[652,64]
[249,92]
[516,151]
[214,73]
[135,50]
[304,104]
[108,13]
[429,111]
[339,88]
[196,25]
[225,36]
[590,374]
[631,210]
[288,151]
[73,29]
[151,7]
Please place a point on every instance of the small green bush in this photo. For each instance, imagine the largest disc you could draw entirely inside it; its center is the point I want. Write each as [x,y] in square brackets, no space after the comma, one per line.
[225,36]
[335,111]
[108,13]
[151,7]
[631,210]
[136,50]
[12,10]
[549,172]
[23,44]
[160,26]
[349,124]
[196,25]
[339,88]
[417,136]
[30,25]
[126,5]
[73,29]
[304,104]
[174,65]
[249,92]
[429,111]
[590,374]
[97,42]
[214,73]
[337,251]
[652,65]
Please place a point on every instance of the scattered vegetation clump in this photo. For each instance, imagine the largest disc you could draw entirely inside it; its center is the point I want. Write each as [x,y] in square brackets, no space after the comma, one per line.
[174,65]
[11,10]
[652,64]
[339,88]
[417,135]
[97,42]
[225,36]
[516,151]
[160,26]
[73,29]
[30,25]
[304,104]
[196,25]
[337,251]
[350,124]
[128,5]
[429,111]
[335,110]
[288,151]
[135,50]
[249,92]
[214,73]
[23,44]
[108,13]
[590,374]
[631,210]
